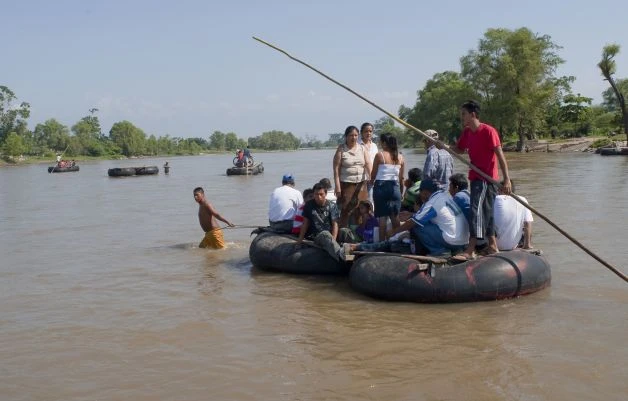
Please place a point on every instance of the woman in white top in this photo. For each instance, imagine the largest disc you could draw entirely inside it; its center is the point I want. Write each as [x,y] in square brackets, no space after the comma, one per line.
[366,139]
[352,167]
[387,179]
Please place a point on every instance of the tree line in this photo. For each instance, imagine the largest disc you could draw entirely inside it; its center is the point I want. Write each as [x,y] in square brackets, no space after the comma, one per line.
[512,73]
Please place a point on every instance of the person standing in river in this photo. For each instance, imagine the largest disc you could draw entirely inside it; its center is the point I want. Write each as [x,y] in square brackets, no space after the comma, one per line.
[207,217]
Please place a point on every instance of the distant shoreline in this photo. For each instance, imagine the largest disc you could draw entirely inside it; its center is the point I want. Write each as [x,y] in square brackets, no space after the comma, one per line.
[544,145]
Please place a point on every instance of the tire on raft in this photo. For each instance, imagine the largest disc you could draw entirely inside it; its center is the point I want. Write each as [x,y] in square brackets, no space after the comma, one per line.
[121,171]
[149,170]
[277,252]
[57,169]
[503,275]
[254,170]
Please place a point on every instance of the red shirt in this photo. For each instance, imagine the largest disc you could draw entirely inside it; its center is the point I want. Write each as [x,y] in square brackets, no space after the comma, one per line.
[481,145]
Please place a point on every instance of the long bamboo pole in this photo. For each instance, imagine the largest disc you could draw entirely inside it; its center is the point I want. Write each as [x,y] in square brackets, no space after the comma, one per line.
[456,155]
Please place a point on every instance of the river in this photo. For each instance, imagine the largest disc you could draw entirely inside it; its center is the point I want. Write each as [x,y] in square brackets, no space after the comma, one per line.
[105,296]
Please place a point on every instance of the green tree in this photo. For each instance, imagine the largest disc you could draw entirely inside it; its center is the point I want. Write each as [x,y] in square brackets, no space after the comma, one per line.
[13,145]
[165,145]
[52,134]
[242,143]
[608,68]
[11,116]
[129,138]
[609,100]
[513,73]
[217,140]
[335,139]
[576,111]
[231,141]
[275,140]
[438,106]
[152,146]
[311,141]
[604,122]
[387,124]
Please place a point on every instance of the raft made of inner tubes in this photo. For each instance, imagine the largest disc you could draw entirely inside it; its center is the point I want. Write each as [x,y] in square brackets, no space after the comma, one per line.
[57,169]
[278,252]
[623,151]
[121,171]
[149,170]
[129,171]
[253,170]
[502,275]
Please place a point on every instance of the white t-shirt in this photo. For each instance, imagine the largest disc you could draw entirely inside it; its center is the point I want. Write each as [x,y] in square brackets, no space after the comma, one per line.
[372,148]
[284,203]
[442,210]
[509,216]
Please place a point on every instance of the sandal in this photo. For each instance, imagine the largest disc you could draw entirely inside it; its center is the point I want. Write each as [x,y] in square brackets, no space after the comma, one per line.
[462,257]
[487,251]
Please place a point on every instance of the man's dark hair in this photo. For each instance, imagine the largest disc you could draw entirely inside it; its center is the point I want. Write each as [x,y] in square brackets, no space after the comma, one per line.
[472,106]
[198,189]
[317,187]
[307,192]
[415,174]
[459,181]
[326,183]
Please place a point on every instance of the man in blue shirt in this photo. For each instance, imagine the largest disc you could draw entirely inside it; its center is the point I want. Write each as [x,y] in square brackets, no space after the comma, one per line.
[459,190]
[440,224]
[439,165]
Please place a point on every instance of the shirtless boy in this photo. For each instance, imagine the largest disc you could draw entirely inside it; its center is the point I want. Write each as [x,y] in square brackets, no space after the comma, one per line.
[208,217]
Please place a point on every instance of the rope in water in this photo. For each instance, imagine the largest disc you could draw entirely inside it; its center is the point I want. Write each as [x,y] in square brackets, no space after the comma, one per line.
[462,159]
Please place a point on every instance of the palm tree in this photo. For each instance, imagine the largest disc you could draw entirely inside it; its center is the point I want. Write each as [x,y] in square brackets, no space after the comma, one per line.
[608,68]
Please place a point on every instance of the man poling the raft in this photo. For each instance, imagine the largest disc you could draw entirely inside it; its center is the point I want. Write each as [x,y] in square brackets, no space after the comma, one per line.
[462,159]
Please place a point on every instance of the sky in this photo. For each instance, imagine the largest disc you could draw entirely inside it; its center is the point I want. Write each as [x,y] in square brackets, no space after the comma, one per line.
[190,67]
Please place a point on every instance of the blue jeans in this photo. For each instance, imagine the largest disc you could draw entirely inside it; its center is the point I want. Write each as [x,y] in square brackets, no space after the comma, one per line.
[431,237]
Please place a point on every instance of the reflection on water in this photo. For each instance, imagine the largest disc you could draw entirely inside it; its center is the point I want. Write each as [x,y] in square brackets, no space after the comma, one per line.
[104,294]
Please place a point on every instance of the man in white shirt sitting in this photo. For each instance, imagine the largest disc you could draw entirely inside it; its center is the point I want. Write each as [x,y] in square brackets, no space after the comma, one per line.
[283,205]
[440,224]
[512,221]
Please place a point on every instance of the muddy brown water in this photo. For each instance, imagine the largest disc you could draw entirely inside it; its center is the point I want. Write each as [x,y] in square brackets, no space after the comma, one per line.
[104,296]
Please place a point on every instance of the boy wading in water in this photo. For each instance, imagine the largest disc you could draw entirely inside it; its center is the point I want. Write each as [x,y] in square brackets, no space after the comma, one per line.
[207,217]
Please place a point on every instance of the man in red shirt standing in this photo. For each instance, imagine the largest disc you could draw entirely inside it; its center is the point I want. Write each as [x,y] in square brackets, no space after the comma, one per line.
[482,143]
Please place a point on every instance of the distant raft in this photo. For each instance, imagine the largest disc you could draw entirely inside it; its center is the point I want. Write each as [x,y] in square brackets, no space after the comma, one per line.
[253,170]
[502,275]
[57,169]
[278,252]
[130,171]
[614,151]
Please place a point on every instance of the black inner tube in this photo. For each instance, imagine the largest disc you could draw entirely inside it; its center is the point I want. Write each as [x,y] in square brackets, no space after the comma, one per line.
[514,266]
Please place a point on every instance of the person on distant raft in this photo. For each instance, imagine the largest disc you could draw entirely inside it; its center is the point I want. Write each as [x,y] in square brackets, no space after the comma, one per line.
[248,158]
[207,217]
